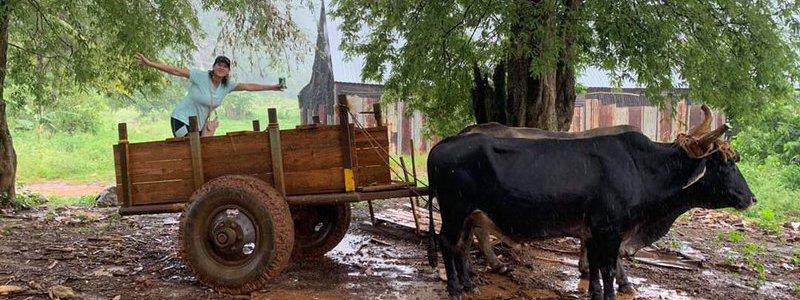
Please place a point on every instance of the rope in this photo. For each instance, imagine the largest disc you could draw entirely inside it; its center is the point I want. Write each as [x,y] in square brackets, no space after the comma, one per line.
[385,156]
[694,150]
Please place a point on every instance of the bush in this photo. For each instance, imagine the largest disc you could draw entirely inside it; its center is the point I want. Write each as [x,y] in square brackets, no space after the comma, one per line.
[775,188]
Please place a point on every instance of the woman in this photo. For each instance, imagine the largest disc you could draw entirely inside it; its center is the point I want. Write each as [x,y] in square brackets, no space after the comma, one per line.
[206,89]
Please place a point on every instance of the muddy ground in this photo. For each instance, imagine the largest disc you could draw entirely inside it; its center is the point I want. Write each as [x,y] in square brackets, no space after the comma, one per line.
[99,255]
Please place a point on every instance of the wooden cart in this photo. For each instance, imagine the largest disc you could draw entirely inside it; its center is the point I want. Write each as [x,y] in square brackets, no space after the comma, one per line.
[252,200]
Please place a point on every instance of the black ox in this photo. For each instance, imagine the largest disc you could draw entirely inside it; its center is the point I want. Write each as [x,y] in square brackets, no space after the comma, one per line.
[603,190]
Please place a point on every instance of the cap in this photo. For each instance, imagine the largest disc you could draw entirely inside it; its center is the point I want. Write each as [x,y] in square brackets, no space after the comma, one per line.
[223,59]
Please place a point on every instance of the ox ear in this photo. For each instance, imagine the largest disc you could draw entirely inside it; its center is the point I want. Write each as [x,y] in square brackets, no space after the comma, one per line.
[698,174]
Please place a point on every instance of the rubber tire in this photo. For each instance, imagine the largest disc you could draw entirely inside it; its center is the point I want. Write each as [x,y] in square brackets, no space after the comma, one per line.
[272,217]
[303,251]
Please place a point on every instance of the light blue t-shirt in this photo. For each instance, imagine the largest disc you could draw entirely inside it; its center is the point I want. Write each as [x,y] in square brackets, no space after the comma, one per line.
[198,99]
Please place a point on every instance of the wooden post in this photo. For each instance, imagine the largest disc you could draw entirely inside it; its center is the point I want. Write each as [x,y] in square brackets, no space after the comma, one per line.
[315,120]
[122,129]
[256,125]
[376,109]
[197,156]
[410,199]
[275,151]
[344,137]
[414,169]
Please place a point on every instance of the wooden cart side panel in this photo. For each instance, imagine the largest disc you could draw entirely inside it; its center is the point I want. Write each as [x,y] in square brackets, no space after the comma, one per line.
[312,160]
[156,171]
[315,181]
[379,134]
[160,150]
[241,154]
[372,167]
[161,192]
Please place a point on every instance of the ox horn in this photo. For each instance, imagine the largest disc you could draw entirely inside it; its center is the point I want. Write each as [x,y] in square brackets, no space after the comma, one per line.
[706,125]
[710,137]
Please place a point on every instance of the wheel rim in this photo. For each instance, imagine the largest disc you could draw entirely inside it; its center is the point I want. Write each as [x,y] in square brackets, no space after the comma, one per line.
[232,235]
[313,224]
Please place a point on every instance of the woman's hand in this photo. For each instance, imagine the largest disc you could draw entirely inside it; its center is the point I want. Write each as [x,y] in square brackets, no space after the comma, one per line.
[142,60]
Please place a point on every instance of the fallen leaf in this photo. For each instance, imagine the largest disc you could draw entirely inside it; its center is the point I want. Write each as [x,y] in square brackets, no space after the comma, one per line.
[11,289]
[62,292]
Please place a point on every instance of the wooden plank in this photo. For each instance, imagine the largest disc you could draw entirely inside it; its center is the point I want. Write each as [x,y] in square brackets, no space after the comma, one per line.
[314,181]
[226,146]
[245,164]
[406,219]
[312,159]
[321,137]
[170,191]
[265,177]
[380,138]
[370,157]
[159,150]
[373,175]
[160,170]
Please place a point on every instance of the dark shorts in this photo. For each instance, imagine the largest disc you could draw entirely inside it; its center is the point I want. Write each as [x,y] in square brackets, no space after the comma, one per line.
[179,129]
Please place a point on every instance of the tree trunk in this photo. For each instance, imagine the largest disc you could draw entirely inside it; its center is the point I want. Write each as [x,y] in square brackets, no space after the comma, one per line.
[489,99]
[8,158]
[545,100]
[479,96]
[565,74]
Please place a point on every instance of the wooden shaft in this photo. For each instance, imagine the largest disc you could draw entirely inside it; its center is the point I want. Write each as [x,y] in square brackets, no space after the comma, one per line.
[345,142]
[256,125]
[122,129]
[197,156]
[376,108]
[272,116]
[410,198]
[315,119]
[193,124]
[124,157]
[276,154]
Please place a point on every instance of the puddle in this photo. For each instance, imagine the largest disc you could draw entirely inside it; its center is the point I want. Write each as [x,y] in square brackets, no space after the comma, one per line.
[653,291]
[372,259]
[644,289]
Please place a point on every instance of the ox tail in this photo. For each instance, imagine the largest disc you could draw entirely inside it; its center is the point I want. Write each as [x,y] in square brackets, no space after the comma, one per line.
[433,251]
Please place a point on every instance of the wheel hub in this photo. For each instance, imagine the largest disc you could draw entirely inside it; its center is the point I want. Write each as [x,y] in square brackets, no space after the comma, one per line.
[231,235]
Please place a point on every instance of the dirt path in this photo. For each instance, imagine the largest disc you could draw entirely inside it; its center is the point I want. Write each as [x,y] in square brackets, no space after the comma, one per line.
[100,256]
[64,189]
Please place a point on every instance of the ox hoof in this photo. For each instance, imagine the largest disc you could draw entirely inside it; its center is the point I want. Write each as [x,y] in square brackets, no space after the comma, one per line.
[474,290]
[627,289]
[457,297]
[583,285]
[502,270]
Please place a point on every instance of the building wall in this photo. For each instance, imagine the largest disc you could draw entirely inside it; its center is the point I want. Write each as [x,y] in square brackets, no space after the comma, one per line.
[601,109]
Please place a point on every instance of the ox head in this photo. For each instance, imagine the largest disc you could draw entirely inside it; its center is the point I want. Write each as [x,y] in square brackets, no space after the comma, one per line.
[717,181]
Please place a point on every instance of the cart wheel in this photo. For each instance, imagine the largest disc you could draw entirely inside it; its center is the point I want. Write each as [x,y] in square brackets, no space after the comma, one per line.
[318,228]
[236,234]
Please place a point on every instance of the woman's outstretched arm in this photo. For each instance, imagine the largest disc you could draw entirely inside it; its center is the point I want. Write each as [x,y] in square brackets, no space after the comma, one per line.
[163,68]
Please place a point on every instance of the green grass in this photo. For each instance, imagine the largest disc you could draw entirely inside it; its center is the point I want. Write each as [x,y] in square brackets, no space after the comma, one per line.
[420,162]
[65,201]
[777,194]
